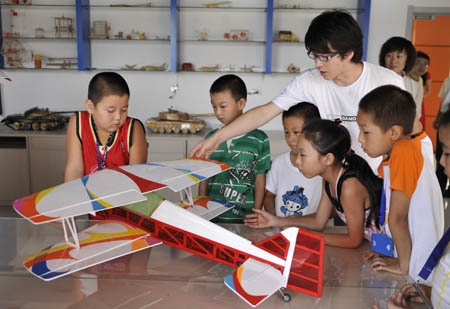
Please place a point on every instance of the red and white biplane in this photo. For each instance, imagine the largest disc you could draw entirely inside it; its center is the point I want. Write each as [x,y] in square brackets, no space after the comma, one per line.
[292,258]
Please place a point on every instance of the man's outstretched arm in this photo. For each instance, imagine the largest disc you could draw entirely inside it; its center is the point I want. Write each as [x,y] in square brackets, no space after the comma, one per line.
[247,122]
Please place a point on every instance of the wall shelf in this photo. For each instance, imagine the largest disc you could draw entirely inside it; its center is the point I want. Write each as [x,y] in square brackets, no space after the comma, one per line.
[177,52]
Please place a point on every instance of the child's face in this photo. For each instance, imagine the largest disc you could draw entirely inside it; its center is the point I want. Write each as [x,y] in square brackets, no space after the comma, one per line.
[292,129]
[374,141]
[396,61]
[308,159]
[225,107]
[444,138]
[421,66]
[110,113]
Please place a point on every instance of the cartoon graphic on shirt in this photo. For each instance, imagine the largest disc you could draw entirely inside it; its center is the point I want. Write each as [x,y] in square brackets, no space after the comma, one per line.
[294,201]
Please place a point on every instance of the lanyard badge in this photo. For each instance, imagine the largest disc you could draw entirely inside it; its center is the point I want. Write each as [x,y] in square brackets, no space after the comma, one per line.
[380,242]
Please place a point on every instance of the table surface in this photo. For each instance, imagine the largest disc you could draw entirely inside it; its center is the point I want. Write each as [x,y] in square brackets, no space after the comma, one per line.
[165,277]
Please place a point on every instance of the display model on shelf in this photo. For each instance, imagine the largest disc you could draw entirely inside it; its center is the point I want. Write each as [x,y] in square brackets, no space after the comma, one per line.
[292,258]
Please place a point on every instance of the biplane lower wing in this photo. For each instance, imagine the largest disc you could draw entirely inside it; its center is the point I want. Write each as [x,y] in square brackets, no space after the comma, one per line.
[99,243]
[110,239]
[125,185]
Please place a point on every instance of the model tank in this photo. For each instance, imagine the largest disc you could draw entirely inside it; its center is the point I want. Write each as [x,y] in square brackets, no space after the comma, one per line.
[36,119]
[176,122]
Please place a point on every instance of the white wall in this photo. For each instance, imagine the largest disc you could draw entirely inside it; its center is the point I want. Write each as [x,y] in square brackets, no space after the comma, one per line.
[389,17]
[150,91]
[67,90]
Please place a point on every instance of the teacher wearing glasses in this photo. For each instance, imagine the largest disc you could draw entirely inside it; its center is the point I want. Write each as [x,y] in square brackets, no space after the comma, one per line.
[336,85]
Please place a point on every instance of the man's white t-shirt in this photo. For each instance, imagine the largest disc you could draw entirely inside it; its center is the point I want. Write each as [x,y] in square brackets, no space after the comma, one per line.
[334,101]
[296,195]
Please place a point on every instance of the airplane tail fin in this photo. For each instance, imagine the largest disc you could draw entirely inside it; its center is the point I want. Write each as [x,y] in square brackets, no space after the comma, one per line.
[306,270]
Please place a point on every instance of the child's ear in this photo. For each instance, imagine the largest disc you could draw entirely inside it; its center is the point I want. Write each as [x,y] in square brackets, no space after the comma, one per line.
[241,103]
[396,132]
[90,106]
[328,159]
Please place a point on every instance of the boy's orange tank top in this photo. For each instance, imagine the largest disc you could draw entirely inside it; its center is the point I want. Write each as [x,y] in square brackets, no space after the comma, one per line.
[118,151]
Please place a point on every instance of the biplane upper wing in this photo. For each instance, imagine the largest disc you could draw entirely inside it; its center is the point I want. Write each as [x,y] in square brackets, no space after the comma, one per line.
[99,243]
[113,187]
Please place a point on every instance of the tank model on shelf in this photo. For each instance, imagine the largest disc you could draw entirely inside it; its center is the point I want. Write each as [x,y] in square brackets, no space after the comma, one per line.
[36,119]
[176,122]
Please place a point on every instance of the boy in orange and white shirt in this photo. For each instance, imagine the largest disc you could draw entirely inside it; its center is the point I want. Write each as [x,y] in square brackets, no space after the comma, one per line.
[414,205]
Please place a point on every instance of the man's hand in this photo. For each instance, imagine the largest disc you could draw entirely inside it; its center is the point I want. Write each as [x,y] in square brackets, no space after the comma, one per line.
[260,219]
[388,264]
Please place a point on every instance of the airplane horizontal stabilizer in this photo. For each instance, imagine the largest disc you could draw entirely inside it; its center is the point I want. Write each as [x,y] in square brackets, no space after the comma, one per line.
[99,243]
[255,281]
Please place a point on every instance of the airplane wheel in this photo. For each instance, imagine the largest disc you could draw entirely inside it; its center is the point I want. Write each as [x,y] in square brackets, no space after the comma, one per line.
[286,297]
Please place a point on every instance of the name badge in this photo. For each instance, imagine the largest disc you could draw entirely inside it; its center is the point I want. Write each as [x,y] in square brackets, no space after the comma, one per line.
[383,244]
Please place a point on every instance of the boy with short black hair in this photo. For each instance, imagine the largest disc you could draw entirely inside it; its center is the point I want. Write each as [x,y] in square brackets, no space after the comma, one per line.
[248,155]
[288,192]
[104,135]
[414,206]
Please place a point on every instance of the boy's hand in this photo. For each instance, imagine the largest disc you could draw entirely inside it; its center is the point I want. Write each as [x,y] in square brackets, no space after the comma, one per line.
[389,264]
[260,219]
[205,147]
[408,293]
[369,254]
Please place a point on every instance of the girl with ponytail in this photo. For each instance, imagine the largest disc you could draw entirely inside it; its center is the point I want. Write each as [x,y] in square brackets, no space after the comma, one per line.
[350,189]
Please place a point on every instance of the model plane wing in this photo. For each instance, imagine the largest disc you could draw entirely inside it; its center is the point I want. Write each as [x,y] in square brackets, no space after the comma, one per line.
[255,281]
[99,243]
[100,191]
[207,207]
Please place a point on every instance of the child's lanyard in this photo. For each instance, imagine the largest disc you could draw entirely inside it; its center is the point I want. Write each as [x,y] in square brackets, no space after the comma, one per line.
[101,165]
[382,208]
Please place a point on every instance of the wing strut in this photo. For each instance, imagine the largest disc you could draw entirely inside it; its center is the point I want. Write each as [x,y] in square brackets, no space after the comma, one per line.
[188,192]
[73,231]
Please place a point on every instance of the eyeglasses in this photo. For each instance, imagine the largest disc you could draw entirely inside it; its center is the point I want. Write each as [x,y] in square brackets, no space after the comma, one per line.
[323,58]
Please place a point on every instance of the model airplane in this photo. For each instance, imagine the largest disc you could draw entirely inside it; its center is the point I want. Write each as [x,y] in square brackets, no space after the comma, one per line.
[292,258]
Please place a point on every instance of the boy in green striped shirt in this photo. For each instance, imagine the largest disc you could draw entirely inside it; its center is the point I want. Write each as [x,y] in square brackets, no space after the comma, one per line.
[248,155]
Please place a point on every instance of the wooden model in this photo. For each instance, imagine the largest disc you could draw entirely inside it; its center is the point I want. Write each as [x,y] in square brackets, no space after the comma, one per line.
[176,122]
[119,36]
[154,68]
[100,29]
[285,36]
[39,32]
[187,66]
[237,35]
[13,51]
[210,69]
[63,25]
[62,62]
[293,69]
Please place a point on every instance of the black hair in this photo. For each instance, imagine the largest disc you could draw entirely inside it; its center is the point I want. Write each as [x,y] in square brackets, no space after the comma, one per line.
[230,82]
[421,54]
[336,29]
[389,105]
[328,136]
[305,110]
[444,120]
[399,44]
[105,84]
